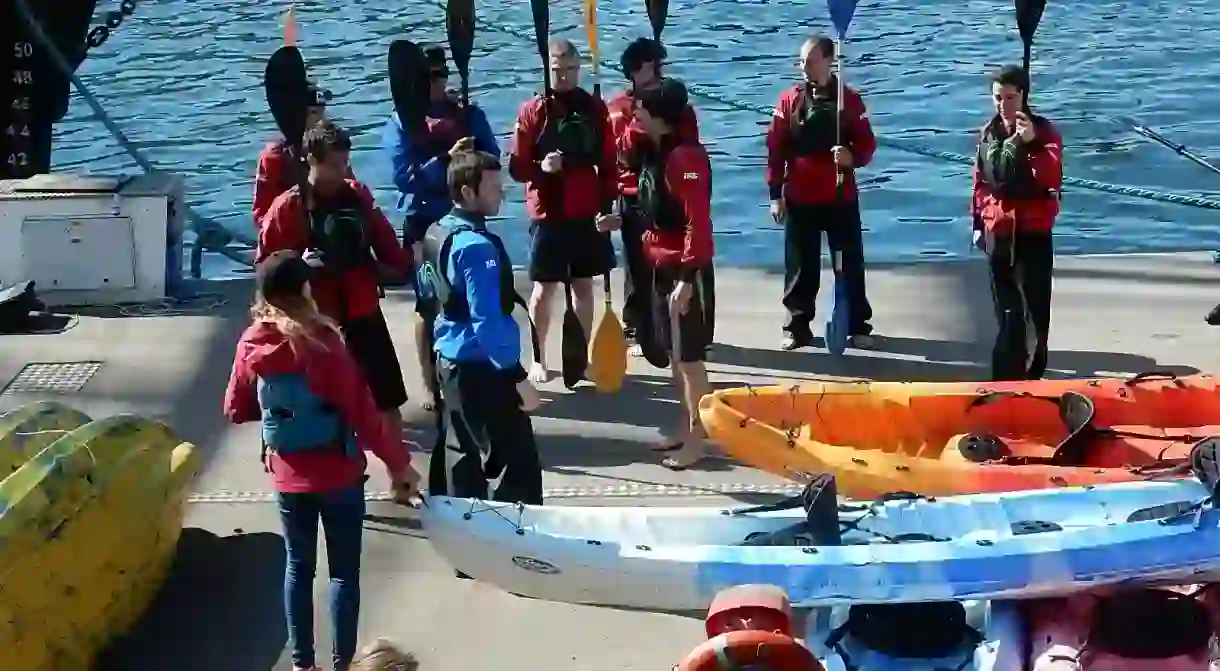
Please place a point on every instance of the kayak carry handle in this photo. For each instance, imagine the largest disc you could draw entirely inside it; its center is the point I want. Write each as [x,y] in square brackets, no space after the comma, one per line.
[993,396]
[1153,375]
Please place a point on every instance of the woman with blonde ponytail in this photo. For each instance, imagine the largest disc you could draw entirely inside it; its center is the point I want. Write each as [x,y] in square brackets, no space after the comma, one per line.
[293,373]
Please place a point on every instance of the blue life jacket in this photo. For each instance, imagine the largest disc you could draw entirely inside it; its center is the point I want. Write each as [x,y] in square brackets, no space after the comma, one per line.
[296,421]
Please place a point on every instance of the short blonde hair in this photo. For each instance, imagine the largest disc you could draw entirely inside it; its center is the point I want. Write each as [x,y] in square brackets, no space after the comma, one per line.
[563,48]
[382,655]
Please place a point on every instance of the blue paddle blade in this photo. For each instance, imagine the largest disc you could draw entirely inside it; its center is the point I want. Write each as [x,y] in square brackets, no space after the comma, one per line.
[841,12]
[836,326]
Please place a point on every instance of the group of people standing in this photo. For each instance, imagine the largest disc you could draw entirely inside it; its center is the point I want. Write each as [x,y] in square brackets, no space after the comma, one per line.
[318,367]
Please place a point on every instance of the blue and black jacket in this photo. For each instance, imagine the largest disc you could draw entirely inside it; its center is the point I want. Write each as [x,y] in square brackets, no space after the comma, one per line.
[420,160]
[468,272]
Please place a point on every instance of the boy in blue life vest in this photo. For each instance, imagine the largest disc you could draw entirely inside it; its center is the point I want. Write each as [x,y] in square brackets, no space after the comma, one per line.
[418,158]
[485,391]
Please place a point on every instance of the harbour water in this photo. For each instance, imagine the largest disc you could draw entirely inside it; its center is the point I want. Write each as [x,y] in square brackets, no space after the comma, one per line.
[184,81]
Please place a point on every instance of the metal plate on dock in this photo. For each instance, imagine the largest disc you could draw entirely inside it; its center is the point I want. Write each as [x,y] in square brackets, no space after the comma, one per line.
[69,376]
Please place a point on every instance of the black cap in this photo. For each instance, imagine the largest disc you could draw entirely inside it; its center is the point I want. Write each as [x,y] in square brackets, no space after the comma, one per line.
[639,52]
[667,102]
[438,63]
[282,274]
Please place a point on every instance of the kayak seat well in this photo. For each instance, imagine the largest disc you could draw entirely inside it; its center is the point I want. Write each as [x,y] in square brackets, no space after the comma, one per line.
[821,527]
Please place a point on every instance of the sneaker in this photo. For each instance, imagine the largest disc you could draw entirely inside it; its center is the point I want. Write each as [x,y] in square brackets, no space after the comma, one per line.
[792,341]
[862,341]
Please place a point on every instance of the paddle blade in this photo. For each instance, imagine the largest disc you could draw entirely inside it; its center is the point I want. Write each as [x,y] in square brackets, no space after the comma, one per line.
[409,83]
[574,348]
[1029,15]
[541,12]
[841,13]
[608,355]
[459,15]
[836,326]
[287,89]
[658,12]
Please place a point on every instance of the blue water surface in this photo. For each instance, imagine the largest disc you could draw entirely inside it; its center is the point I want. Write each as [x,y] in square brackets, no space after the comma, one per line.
[184,80]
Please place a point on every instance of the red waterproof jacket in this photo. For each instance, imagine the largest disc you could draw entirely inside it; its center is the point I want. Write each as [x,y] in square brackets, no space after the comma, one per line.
[630,137]
[587,187]
[1028,200]
[687,174]
[334,377]
[803,172]
[273,176]
[356,293]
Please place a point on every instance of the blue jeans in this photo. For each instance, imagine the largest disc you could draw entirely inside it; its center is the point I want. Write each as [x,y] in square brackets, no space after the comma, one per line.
[342,515]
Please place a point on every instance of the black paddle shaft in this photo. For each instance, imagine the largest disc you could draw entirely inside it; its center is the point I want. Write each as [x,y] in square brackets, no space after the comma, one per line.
[658,12]
[460,23]
[409,83]
[287,88]
[542,30]
[1029,15]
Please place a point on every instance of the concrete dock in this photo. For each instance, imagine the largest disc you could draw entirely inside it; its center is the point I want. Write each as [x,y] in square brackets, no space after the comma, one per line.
[222,608]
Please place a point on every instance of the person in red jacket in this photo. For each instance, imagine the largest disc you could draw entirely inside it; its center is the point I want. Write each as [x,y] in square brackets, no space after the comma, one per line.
[1018,173]
[675,198]
[563,150]
[333,222]
[278,169]
[292,373]
[641,63]
[808,146]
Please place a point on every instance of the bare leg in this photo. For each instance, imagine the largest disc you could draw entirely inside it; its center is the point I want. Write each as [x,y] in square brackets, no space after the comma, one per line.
[693,387]
[541,300]
[582,299]
[427,366]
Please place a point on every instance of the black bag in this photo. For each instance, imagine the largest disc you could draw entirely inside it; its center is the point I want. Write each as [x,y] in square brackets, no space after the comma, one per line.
[929,630]
[1150,624]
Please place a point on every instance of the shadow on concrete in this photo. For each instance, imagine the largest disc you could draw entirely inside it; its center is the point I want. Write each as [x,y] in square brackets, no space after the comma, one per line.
[934,361]
[222,607]
[644,401]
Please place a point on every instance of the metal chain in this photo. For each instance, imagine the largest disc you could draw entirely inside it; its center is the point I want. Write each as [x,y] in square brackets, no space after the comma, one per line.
[114,18]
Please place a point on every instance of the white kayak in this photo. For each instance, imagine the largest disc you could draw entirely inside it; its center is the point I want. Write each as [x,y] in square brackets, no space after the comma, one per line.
[824,552]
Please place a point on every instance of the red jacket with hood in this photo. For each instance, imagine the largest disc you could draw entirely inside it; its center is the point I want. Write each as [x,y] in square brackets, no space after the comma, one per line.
[688,178]
[273,177]
[1003,215]
[587,190]
[813,180]
[630,137]
[334,377]
[286,227]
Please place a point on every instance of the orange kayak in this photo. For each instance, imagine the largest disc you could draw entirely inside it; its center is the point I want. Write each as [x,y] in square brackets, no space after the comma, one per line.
[966,437]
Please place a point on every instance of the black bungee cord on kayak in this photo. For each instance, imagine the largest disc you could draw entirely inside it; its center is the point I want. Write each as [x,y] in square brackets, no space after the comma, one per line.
[952,157]
[210,234]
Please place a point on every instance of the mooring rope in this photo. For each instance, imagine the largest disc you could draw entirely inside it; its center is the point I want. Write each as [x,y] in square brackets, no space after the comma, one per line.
[915,147]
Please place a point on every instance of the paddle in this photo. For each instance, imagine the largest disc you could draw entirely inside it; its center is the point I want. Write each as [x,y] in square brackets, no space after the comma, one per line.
[409,83]
[459,15]
[1181,149]
[287,88]
[658,12]
[841,13]
[1029,15]
[608,354]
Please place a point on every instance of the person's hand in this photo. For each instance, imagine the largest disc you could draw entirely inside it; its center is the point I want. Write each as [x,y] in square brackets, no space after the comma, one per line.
[609,222]
[529,396]
[463,146]
[779,211]
[842,156]
[1024,128]
[679,300]
[552,163]
[404,487]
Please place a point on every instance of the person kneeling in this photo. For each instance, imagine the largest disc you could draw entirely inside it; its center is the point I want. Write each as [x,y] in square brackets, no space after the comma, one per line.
[675,197]
[485,391]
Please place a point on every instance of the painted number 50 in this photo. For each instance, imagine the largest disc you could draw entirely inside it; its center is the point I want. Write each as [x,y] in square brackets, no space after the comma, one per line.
[22,50]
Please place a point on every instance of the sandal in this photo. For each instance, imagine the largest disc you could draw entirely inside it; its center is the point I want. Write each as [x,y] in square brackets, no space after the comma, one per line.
[673,464]
[664,446]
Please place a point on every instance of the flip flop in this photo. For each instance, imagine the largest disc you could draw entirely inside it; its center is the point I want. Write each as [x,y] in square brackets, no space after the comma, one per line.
[673,464]
[666,446]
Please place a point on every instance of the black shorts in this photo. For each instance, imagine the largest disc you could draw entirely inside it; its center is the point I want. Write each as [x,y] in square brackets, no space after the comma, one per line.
[368,339]
[696,328]
[564,250]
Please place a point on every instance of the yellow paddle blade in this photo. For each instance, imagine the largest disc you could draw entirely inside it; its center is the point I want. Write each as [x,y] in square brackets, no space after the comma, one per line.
[608,358]
[590,11]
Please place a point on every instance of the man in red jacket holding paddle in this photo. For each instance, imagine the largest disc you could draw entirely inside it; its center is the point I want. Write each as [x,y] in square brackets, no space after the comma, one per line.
[1018,173]
[675,200]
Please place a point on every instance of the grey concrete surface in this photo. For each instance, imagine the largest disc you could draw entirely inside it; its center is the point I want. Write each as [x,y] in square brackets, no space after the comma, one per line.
[1112,316]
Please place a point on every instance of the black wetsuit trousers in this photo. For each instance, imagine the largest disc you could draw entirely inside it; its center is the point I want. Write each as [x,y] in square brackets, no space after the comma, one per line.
[486,435]
[1021,268]
[803,263]
[637,272]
